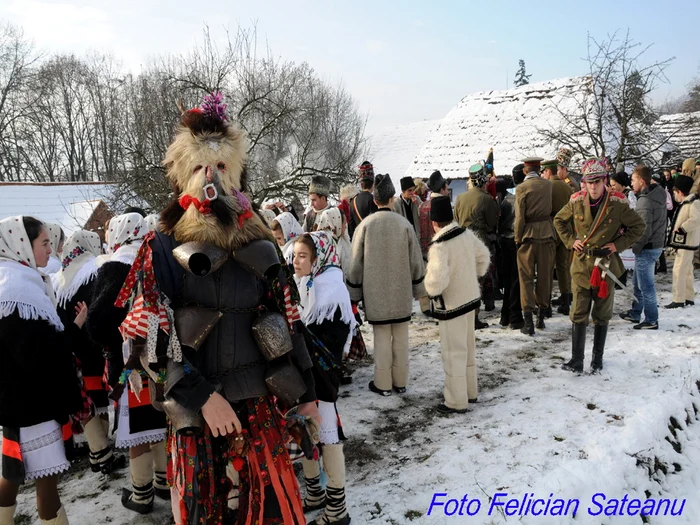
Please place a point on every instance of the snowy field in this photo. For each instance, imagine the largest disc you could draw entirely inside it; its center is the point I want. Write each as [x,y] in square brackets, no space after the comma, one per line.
[537,432]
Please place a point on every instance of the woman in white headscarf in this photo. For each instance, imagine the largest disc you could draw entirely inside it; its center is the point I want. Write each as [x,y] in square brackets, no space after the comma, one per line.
[140,427]
[286,229]
[57,237]
[75,284]
[152,221]
[333,220]
[39,388]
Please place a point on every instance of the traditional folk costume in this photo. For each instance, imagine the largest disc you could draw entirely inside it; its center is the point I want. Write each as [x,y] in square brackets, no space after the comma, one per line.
[331,220]
[685,239]
[327,313]
[35,421]
[137,421]
[73,284]
[595,223]
[456,260]
[213,308]
[386,273]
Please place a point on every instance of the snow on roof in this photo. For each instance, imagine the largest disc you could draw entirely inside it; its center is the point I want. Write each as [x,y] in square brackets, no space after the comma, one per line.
[395,148]
[683,130]
[506,120]
[67,204]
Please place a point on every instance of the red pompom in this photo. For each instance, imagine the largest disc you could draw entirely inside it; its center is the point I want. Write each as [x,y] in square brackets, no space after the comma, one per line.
[238,463]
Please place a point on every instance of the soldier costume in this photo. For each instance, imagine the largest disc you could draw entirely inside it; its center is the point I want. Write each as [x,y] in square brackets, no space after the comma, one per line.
[535,238]
[563,173]
[595,224]
[561,193]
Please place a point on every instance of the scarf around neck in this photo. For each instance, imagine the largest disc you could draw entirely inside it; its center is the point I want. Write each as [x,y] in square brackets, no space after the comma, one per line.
[23,288]
[78,266]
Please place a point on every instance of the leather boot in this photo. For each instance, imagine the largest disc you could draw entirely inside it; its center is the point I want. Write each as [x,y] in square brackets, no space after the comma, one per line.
[7,515]
[60,519]
[599,336]
[160,467]
[541,314]
[140,499]
[565,304]
[335,512]
[559,300]
[315,498]
[529,325]
[578,346]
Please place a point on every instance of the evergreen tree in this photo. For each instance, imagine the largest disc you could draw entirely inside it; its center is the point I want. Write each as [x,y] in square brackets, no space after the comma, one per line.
[521,77]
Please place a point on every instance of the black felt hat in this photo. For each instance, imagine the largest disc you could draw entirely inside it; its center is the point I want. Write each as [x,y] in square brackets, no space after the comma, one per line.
[441,209]
[407,183]
[383,188]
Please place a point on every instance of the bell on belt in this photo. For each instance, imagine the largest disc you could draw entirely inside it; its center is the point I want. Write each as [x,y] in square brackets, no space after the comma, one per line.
[284,381]
[259,257]
[272,335]
[184,421]
[194,323]
[200,258]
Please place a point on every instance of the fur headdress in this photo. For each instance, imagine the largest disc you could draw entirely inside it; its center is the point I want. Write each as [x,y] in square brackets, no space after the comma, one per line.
[206,166]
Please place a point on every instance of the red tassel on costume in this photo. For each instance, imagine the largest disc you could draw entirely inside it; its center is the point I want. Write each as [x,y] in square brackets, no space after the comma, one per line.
[595,277]
[603,289]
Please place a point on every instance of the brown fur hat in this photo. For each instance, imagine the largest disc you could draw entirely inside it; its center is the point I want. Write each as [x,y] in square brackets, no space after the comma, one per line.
[207,147]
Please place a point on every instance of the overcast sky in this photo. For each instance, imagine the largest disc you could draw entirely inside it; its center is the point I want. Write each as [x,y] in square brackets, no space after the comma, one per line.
[402,61]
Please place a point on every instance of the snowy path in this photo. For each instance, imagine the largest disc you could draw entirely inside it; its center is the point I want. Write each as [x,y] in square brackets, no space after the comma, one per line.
[536,429]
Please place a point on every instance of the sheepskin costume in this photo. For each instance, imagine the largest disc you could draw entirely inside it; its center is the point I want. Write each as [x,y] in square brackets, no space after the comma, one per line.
[206,165]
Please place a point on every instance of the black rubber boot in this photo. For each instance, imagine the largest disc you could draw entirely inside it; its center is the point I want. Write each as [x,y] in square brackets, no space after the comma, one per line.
[559,300]
[578,347]
[599,336]
[529,325]
[541,314]
[565,304]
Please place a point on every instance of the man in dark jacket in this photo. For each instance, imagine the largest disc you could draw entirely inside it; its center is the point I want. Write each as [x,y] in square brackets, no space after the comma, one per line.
[651,206]
[362,204]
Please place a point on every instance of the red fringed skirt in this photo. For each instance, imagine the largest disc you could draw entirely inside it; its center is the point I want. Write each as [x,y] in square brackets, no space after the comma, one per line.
[268,490]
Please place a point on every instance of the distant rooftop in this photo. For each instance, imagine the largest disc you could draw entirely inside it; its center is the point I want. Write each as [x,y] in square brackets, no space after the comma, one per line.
[505,120]
[67,204]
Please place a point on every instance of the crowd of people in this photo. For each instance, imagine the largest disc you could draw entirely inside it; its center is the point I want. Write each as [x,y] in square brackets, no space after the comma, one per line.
[220,332]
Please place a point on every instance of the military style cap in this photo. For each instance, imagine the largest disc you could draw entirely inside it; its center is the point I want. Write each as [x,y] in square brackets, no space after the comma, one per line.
[478,175]
[593,169]
[553,163]
[533,161]
[564,157]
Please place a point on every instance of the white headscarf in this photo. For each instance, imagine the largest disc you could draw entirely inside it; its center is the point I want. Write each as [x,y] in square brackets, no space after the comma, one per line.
[23,287]
[291,229]
[124,237]
[152,221]
[332,220]
[78,266]
[55,233]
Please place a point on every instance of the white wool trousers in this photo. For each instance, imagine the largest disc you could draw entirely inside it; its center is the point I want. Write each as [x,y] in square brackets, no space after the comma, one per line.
[458,350]
[683,289]
[390,355]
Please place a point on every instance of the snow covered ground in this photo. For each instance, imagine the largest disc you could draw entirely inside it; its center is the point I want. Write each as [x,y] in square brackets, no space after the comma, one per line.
[536,429]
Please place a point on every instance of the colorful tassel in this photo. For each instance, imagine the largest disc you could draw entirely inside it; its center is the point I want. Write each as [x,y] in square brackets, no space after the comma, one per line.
[595,277]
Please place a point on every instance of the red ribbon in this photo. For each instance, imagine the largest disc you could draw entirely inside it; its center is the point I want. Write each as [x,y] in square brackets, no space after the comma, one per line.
[243,217]
[202,207]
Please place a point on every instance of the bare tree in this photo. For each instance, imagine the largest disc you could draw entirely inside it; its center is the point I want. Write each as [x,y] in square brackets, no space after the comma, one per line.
[17,58]
[613,116]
